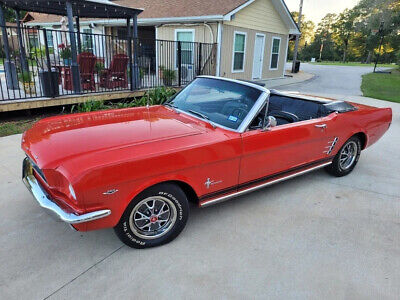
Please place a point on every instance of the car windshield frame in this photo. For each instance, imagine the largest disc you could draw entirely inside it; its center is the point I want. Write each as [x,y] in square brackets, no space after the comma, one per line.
[253,112]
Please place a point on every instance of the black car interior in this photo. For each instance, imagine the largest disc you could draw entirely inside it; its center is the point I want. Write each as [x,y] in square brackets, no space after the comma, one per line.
[288,110]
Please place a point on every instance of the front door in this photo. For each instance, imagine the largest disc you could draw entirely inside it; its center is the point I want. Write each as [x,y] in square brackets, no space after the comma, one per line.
[292,147]
[258,56]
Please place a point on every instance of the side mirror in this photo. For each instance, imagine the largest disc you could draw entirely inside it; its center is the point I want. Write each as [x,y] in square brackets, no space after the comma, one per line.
[269,122]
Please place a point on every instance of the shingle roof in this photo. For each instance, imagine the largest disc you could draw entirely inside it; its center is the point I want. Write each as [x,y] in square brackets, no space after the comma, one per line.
[165,8]
[182,8]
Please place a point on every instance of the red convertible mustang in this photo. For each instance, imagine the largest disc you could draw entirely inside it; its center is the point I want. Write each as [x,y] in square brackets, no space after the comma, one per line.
[136,169]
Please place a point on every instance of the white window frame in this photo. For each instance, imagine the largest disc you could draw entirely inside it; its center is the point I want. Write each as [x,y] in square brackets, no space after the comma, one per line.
[178,30]
[85,35]
[50,38]
[263,53]
[233,51]
[272,47]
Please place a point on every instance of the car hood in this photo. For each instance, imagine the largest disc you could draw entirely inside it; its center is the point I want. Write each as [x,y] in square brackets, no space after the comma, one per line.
[53,140]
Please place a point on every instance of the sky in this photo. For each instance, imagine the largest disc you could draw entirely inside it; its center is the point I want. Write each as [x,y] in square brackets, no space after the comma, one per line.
[315,10]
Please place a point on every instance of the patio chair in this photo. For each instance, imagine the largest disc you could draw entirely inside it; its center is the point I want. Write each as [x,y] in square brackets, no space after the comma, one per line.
[116,75]
[87,62]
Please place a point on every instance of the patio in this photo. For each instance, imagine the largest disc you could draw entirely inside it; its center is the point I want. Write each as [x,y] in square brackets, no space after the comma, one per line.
[52,63]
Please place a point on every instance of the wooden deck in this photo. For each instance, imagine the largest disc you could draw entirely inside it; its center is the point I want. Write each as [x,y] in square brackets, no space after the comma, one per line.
[14,105]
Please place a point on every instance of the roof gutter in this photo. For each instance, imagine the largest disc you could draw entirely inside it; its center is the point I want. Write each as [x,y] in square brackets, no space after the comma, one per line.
[141,21]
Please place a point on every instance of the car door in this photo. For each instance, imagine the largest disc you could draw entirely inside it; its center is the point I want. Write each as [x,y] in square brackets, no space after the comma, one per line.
[285,149]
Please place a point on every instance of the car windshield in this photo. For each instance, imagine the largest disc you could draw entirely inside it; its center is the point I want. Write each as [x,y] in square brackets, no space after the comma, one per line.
[217,101]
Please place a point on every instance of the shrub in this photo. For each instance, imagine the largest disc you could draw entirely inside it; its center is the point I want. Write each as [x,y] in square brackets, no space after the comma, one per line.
[25,77]
[89,106]
[154,96]
[159,95]
[168,75]
[37,53]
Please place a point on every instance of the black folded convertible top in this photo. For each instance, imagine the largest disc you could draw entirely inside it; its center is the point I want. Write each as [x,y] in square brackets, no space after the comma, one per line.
[339,106]
[329,105]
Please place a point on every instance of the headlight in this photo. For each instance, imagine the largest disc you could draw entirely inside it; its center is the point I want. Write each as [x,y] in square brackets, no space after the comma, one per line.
[72,192]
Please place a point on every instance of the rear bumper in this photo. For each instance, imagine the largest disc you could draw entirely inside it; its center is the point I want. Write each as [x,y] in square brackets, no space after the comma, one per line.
[45,201]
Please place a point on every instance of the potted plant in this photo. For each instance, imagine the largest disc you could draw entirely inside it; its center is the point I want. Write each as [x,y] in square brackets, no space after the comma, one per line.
[160,71]
[99,67]
[26,78]
[168,76]
[65,54]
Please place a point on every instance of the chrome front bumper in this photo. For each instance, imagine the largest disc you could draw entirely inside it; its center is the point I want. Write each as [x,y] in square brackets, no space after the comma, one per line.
[45,201]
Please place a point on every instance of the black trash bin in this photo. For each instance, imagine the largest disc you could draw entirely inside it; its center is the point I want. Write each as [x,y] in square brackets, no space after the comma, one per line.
[297,66]
[49,83]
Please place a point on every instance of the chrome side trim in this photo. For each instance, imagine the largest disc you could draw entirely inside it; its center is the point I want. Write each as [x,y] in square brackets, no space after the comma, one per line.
[331,146]
[248,190]
[46,202]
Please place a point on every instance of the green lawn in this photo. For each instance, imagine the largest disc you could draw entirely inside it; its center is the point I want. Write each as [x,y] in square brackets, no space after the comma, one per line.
[351,64]
[382,86]
[14,127]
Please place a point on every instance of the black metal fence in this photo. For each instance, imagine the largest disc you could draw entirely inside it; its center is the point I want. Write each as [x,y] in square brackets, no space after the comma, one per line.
[39,64]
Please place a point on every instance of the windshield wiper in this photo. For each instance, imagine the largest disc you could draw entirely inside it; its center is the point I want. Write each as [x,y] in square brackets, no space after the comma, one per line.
[203,116]
[174,107]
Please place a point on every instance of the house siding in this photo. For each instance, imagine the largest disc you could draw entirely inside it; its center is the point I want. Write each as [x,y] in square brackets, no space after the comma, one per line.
[227,53]
[260,15]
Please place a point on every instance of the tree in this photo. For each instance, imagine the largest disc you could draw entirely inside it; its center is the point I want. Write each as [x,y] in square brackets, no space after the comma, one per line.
[307,33]
[9,14]
[321,46]
[325,26]
[352,34]
[343,30]
[307,29]
[370,14]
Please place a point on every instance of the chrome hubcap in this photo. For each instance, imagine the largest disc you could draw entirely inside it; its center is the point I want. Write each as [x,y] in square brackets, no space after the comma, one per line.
[152,217]
[348,155]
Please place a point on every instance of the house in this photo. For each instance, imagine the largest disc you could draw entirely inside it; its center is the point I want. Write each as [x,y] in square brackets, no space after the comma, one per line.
[251,36]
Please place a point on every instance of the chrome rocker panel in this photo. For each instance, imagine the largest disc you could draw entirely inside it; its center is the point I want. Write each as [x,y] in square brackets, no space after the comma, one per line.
[251,189]
[46,202]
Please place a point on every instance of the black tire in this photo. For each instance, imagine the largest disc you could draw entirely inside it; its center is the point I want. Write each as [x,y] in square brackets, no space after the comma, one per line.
[129,227]
[336,168]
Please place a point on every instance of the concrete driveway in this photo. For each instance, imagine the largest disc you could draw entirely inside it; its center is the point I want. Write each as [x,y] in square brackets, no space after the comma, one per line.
[334,80]
[313,237]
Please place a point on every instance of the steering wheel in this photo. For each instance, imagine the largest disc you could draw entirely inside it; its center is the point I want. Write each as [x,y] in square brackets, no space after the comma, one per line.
[289,117]
[239,112]
[235,108]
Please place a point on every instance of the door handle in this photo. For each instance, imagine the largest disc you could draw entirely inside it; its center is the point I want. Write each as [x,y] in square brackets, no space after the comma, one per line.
[322,126]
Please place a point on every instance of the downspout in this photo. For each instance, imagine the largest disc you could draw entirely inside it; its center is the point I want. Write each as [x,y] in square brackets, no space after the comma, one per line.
[211,32]
[286,59]
[219,45]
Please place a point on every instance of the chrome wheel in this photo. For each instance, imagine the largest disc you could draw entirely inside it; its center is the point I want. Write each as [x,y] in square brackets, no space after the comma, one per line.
[153,217]
[348,155]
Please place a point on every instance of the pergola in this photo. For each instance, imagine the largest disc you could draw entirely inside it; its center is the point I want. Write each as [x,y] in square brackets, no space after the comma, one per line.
[70,8]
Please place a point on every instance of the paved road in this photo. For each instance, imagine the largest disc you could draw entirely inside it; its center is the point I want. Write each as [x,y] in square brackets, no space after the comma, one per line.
[334,80]
[313,237]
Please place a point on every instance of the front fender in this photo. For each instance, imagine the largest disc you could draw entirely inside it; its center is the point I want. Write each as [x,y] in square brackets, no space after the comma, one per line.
[118,201]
